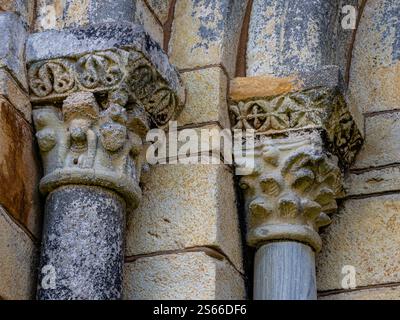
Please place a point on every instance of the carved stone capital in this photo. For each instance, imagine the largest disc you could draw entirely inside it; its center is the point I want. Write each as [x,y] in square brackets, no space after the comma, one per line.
[319,108]
[95,100]
[291,190]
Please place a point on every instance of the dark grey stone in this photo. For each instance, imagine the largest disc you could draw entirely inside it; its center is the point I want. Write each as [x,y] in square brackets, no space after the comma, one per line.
[74,41]
[111,10]
[12,44]
[82,244]
[285,270]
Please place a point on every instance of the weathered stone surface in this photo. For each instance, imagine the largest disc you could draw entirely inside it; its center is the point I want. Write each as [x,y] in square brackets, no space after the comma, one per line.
[385,293]
[82,244]
[86,145]
[365,234]
[18,258]
[82,43]
[206,32]
[291,190]
[285,270]
[185,206]
[287,36]
[191,275]
[382,143]
[12,39]
[23,8]
[372,181]
[10,89]
[59,14]
[375,68]
[144,17]
[160,8]
[20,170]
[206,97]
[244,88]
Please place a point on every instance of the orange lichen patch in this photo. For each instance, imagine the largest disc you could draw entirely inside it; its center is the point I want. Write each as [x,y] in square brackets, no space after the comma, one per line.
[243,88]
[19,168]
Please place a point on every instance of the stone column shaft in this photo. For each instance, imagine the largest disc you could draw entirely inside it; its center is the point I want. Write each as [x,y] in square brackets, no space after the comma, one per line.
[82,248]
[284,270]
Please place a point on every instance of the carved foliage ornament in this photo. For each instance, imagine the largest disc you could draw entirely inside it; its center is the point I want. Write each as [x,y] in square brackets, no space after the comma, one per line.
[291,191]
[103,72]
[318,108]
[87,144]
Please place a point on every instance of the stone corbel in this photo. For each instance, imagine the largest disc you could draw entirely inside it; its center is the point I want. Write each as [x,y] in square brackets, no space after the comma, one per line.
[304,141]
[96,92]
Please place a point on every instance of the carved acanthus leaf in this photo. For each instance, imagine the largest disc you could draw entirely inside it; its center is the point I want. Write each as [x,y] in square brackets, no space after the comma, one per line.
[290,197]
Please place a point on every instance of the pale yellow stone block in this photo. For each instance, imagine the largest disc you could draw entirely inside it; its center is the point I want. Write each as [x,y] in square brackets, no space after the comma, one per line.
[206,97]
[17,261]
[186,276]
[186,206]
[364,234]
[382,142]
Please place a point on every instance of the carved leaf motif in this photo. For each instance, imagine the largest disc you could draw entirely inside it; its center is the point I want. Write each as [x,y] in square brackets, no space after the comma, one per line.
[44,78]
[96,69]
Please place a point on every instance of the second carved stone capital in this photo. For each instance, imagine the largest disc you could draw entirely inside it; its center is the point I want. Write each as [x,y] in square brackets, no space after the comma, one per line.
[291,191]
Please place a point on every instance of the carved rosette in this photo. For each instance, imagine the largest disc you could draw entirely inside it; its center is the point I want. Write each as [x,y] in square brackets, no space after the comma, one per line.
[301,137]
[92,112]
[120,75]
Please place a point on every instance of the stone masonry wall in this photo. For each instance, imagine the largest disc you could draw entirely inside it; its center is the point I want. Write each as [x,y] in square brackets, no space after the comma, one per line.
[185,241]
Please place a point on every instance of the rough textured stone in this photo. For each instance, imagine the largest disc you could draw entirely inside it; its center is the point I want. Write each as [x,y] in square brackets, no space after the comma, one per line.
[83,243]
[20,169]
[375,68]
[10,89]
[191,275]
[373,181]
[185,206]
[12,39]
[79,41]
[206,32]
[287,36]
[18,258]
[382,143]
[365,234]
[144,17]
[385,293]
[59,14]
[206,97]
[160,8]
[23,8]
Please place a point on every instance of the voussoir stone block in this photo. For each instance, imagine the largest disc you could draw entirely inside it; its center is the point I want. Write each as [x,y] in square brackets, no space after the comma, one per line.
[20,169]
[375,67]
[18,257]
[144,17]
[12,44]
[365,235]
[206,97]
[182,276]
[186,206]
[206,32]
[160,8]
[382,143]
[386,293]
[10,90]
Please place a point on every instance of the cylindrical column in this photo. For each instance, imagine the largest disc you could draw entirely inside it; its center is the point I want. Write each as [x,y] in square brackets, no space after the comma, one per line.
[82,249]
[285,270]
